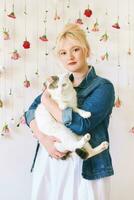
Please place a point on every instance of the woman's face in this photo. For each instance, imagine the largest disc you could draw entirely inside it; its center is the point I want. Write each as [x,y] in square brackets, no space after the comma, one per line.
[72,55]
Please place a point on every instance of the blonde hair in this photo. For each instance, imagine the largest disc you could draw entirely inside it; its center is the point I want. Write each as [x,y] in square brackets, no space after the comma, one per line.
[73,31]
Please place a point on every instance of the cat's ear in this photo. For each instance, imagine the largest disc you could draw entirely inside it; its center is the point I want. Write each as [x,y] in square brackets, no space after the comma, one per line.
[55,78]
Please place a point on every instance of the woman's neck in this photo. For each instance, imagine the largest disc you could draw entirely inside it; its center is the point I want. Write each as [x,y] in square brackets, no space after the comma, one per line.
[79,76]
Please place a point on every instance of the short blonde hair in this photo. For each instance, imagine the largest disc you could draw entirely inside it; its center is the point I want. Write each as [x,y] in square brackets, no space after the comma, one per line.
[73,31]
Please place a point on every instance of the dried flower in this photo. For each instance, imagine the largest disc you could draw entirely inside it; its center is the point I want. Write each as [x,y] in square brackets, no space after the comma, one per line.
[26,83]
[1,103]
[15,55]
[118,103]
[116,25]
[88,12]
[5,130]
[129,52]
[95,27]
[132,130]
[104,37]
[43,38]
[5,34]
[12,15]
[26,44]
[56,16]
[105,56]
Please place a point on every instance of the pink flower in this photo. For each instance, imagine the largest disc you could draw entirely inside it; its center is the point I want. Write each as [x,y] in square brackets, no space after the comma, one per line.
[15,55]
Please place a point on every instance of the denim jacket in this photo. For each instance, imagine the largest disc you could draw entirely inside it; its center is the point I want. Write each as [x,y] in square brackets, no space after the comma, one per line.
[94,94]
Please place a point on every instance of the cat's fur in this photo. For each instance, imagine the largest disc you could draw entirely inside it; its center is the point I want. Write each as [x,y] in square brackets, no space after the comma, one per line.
[62,91]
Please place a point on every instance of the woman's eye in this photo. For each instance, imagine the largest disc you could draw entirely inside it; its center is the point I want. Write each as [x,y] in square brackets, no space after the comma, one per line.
[76,49]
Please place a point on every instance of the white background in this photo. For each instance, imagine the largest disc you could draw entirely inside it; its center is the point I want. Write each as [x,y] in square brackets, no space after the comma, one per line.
[16,154]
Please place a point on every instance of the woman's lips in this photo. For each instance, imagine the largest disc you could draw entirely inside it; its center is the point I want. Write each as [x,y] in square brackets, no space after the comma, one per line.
[72,63]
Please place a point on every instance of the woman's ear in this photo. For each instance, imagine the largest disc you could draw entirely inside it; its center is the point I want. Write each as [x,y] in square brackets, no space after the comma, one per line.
[88,53]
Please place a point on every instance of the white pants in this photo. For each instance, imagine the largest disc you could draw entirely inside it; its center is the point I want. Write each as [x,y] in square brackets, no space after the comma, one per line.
[61,180]
[95,190]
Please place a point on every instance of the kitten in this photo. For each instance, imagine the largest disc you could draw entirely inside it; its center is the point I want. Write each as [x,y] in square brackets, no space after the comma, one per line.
[61,90]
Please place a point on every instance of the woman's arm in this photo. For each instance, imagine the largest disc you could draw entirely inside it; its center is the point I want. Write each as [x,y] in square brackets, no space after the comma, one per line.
[99,103]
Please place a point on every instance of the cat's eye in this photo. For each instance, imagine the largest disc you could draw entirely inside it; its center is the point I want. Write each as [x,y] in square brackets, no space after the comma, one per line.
[64,85]
[62,53]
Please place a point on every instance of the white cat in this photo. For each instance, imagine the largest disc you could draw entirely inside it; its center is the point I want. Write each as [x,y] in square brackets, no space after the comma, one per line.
[62,91]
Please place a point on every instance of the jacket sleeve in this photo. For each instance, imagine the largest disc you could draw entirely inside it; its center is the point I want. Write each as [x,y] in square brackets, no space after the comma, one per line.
[29,114]
[99,103]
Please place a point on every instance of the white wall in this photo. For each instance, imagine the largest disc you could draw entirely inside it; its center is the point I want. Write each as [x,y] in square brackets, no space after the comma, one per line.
[16,153]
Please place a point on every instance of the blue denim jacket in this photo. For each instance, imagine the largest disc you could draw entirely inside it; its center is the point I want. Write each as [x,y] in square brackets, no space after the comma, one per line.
[94,94]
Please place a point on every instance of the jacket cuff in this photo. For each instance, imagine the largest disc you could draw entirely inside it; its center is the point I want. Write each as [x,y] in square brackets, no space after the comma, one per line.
[29,116]
[67,116]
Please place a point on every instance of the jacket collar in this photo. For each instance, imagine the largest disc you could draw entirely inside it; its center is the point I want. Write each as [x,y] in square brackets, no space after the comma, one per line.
[88,79]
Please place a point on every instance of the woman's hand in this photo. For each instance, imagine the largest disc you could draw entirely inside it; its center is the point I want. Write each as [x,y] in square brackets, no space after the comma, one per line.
[48,143]
[45,97]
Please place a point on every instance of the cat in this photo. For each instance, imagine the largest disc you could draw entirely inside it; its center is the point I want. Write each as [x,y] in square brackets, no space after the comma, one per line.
[61,90]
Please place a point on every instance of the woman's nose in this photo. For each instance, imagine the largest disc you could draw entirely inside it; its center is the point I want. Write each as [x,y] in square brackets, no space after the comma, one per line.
[70,56]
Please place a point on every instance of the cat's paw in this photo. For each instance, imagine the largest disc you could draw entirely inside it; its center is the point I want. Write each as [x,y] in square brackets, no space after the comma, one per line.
[85,114]
[87,137]
[104,145]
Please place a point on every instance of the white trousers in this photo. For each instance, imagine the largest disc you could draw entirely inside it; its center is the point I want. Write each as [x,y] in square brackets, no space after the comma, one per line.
[95,190]
[61,180]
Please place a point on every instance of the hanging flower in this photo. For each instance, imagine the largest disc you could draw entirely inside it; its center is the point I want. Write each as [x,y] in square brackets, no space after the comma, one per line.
[116,25]
[88,12]
[79,20]
[56,16]
[118,103]
[12,15]
[43,38]
[5,130]
[132,130]
[95,27]
[5,34]
[129,52]
[105,56]
[104,37]
[26,83]
[1,103]
[15,55]
[21,121]
[26,44]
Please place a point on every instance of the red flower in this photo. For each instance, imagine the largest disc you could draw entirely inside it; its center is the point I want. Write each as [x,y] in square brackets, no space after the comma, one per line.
[88,12]
[116,25]
[43,38]
[12,15]
[26,44]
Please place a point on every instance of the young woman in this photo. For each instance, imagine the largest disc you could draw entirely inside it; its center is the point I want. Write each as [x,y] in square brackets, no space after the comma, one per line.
[53,178]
